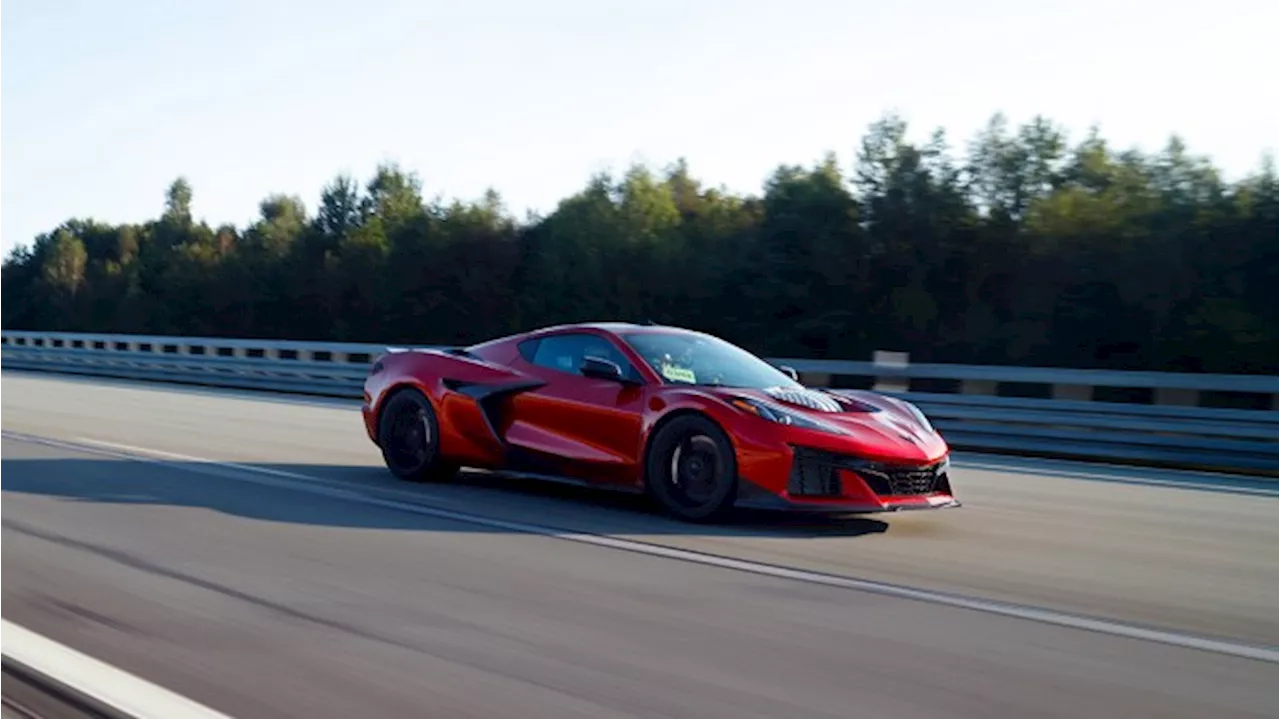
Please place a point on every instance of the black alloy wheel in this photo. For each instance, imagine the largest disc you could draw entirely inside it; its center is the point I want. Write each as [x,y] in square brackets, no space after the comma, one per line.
[409,436]
[691,469]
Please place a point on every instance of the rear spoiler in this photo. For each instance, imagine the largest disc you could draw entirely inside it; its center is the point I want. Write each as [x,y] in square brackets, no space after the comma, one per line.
[456,351]
[376,359]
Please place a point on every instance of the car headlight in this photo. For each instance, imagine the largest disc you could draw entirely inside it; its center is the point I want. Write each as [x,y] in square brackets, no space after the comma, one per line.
[781,415]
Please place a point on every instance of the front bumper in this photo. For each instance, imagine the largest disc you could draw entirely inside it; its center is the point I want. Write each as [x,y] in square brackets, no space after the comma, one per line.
[773,502]
[825,481]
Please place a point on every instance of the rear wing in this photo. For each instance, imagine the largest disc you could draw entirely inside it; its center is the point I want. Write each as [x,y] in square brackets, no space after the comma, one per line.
[455,351]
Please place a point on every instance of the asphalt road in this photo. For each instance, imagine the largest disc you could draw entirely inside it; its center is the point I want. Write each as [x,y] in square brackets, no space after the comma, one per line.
[249,591]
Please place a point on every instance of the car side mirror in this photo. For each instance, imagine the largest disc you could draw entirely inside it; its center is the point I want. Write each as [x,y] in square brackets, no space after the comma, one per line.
[601,368]
[790,372]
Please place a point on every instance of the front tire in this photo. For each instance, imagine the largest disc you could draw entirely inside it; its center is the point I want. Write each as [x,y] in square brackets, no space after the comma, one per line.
[691,469]
[409,436]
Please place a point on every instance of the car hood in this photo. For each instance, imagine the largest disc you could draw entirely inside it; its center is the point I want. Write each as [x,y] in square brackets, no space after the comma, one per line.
[878,426]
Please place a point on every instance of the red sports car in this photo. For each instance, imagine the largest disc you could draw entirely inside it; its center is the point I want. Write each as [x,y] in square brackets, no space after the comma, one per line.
[698,423]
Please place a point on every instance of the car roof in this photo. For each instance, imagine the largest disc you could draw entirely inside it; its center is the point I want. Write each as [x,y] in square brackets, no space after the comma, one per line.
[614,328]
[610,327]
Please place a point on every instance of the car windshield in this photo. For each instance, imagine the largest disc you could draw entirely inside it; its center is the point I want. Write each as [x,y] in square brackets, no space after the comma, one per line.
[688,358]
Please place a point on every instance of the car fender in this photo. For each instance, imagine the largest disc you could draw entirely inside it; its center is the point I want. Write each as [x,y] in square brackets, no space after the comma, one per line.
[462,389]
[748,435]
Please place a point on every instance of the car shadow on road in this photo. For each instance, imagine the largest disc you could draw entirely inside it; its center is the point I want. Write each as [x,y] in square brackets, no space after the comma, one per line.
[327,495]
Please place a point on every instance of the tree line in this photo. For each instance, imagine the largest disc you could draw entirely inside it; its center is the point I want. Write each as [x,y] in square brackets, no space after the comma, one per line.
[1024,248]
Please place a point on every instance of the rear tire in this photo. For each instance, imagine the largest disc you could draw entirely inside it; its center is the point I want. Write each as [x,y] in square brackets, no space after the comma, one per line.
[409,436]
[691,470]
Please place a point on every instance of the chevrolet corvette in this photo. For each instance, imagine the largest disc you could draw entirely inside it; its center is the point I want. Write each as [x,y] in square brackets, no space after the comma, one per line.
[699,424]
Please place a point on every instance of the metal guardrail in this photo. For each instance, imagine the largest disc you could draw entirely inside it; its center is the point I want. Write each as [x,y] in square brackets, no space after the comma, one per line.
[1173,430]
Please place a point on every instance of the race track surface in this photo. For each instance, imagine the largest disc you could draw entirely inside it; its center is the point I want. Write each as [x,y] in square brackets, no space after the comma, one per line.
[301,581]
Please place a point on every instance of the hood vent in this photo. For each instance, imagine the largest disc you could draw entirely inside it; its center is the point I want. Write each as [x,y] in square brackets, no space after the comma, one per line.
[805,398]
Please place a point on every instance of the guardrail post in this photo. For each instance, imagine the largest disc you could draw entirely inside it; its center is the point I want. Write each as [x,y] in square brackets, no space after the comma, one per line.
[1073,392]
[978,386]
[1177,397]
[891,360]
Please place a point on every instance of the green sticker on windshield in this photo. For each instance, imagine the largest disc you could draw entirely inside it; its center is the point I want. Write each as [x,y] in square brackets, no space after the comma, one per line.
[678,374]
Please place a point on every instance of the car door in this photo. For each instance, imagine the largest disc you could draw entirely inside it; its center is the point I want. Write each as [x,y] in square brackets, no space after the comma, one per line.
[575,426]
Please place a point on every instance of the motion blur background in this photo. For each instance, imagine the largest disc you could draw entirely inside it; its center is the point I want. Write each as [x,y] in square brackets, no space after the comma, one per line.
[1082,185]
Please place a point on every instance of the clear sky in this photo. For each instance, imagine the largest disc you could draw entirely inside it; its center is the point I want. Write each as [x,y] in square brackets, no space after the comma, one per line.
[104,103]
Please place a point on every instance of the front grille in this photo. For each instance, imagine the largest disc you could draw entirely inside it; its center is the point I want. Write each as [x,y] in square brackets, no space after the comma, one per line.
[903,480]
[816,473]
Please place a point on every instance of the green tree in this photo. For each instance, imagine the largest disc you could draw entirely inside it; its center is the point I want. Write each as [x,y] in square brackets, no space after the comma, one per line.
[1024,248]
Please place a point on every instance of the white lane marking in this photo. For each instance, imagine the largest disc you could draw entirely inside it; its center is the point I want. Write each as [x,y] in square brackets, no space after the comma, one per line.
[124,692]
[316,485]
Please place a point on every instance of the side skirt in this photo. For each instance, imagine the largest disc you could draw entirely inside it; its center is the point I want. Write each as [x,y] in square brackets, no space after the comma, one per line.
[557,479]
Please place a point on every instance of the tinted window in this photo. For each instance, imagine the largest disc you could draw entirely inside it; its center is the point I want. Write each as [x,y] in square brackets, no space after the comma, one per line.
[528,349]
[566,352]
[689,358]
